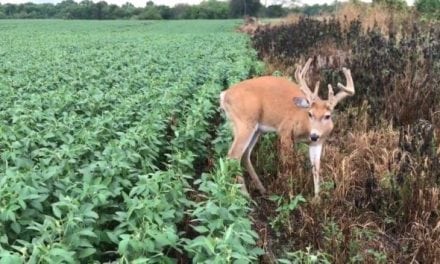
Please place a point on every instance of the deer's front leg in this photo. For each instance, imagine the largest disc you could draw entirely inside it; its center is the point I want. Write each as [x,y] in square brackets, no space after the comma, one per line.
[286,147]
[315,158]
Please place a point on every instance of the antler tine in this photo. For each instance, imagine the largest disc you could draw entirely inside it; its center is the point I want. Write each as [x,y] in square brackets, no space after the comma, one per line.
[315,92]
[347,90]
[350,85]
[298,73]
[331,94]
[299,76]
[306,67]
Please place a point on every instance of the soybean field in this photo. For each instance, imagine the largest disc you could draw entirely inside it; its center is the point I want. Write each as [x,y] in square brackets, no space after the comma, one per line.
[112,144]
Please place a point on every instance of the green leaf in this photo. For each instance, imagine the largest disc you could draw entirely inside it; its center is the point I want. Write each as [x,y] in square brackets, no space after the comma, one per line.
[140,261]
[162,240]
[113,237]
[83,253]
[122,247]
[228,232]
[16,227]
[201,229]
[87,233]
[4,239]
[241,260]
[56,211]
[10,259]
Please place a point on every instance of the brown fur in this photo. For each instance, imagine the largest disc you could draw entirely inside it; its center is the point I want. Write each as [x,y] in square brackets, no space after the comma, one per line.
[275,104]
[268,101]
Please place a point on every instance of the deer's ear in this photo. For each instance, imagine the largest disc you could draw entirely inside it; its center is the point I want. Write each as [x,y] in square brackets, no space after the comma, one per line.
[301,102]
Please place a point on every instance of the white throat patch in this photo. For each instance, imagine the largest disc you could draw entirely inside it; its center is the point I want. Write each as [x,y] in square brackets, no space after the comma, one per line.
[315,153]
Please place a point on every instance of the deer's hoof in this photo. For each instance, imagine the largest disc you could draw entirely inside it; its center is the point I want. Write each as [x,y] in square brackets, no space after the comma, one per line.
[262,190]
[316,199]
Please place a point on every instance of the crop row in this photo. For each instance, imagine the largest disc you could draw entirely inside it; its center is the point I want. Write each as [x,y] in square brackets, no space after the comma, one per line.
[99,135]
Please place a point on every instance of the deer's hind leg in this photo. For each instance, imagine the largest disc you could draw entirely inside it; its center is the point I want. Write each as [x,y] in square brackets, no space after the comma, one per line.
[243,137]
[248,164]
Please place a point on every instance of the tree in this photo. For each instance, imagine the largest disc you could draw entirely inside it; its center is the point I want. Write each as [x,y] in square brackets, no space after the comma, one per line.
[113,12]
[2,12]
[151,12]
[129,10]
[101,9]
[65,8]
[164,11]
[429,8]
[181,11]
[10,9]
[240,8]
[395,4]
[275,11]
[213,9]
[313,10]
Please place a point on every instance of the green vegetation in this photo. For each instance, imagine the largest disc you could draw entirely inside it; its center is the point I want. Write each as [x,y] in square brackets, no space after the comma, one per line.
[429,8]
[105,130]
[208,9]
[86,9]
[239,8]
[112,145]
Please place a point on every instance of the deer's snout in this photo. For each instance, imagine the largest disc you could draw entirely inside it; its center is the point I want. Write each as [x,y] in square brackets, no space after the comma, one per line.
[314,137]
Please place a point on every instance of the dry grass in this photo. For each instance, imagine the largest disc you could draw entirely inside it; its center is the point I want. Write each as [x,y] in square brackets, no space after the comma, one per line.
[250,25]
[378,16]
[380,167]
[366,154]
[370,16]
[380,194]
[366,211]
[292,18]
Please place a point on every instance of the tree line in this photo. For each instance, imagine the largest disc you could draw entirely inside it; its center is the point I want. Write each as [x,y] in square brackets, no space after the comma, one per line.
[86,9]
[208,9]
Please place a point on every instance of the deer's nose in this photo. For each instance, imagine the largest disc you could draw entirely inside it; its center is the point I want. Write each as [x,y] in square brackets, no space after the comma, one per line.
[314,137]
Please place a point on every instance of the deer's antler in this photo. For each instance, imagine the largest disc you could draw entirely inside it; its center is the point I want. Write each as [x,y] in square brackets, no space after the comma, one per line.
[347,90]
[300,78]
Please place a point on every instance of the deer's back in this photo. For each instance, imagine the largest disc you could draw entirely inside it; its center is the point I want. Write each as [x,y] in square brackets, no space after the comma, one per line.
[268,99]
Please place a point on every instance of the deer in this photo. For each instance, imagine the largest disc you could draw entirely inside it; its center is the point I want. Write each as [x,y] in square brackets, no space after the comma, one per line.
[277,104]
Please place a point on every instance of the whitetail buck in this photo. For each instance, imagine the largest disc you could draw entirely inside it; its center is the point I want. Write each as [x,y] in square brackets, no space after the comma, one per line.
[275,104]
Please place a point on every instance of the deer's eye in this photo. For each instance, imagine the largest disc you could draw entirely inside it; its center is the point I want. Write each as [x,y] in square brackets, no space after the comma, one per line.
[310,115]
[327,117]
